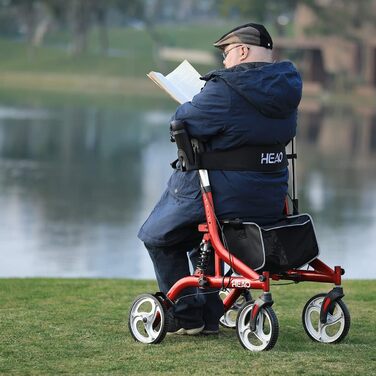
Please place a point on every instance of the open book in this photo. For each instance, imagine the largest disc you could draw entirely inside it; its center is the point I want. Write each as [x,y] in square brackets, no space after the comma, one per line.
[182,84]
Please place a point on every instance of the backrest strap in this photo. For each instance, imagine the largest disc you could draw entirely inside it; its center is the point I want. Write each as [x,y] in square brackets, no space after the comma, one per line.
[258,158]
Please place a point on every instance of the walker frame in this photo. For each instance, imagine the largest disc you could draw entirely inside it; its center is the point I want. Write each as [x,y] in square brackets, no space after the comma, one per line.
[325,317]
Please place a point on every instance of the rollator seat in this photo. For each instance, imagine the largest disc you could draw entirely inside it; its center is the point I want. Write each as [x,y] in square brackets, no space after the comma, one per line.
[287,244]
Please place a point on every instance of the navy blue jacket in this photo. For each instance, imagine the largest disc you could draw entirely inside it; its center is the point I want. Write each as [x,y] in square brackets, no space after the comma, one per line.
[249,104]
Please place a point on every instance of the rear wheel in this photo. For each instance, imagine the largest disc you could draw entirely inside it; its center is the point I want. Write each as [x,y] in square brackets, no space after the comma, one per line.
[228,320]
[265,336]
[336,327]
[147,320]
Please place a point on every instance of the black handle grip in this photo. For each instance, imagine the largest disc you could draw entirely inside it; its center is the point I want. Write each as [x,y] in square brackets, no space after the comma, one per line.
[179,135]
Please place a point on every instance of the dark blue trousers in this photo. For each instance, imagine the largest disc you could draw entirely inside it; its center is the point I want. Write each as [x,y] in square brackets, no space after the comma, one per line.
[195,307]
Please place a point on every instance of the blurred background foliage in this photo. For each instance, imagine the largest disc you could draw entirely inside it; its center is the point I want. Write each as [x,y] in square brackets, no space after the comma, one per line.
[54,33]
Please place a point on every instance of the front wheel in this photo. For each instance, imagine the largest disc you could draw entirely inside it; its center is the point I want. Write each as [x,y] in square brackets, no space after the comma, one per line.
[337,325]
[265,336]
[147,320]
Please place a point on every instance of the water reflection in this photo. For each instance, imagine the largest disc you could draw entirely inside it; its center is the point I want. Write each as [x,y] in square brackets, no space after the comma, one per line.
[337,176]
[76,183]
[71,184]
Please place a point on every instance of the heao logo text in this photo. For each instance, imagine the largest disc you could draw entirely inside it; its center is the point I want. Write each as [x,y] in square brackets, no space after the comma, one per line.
[241,284]
[271,158]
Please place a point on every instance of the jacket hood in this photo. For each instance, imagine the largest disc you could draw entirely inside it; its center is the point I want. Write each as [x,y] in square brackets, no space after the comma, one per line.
[275,89]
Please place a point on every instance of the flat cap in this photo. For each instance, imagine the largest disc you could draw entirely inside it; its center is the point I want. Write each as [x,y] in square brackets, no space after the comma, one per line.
[250,33]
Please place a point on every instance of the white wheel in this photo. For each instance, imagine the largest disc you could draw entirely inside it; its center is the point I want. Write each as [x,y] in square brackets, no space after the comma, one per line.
[228,320]
[147,320]
[336,327]
[265,336]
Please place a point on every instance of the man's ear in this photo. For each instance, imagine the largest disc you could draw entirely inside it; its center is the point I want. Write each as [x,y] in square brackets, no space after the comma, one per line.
[244,54]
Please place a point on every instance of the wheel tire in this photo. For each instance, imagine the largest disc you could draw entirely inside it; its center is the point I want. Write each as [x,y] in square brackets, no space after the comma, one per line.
[337,326]
[267,328]
[148,320]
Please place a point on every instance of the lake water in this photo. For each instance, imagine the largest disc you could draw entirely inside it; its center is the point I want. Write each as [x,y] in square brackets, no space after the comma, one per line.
[77,181]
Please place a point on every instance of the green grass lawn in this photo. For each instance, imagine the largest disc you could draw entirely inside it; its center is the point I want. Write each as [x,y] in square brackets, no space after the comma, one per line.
[79,326]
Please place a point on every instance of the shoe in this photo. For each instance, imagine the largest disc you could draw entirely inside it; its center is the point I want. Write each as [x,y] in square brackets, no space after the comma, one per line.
[190,332]
[211,327]
[209,332]
[174,327]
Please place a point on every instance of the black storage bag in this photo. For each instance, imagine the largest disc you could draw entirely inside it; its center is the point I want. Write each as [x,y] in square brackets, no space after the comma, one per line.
[288,244]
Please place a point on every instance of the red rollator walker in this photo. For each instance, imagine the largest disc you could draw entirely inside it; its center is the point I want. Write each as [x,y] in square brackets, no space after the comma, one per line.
[255,255]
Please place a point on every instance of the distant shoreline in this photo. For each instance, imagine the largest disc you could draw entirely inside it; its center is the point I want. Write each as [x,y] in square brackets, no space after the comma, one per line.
[78,83]
[136,87]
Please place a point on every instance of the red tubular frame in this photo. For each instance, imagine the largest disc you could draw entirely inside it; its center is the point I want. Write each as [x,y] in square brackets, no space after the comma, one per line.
[249,278]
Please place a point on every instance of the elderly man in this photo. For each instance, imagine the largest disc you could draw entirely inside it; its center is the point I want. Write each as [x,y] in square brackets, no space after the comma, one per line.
[253,101]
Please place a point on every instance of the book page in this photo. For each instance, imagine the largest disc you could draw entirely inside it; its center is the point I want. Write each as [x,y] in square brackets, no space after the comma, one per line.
[182,84]
[168,86]
[187,79]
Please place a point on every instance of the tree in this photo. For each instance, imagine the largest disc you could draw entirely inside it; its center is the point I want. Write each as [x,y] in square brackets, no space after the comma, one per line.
[79,16]
[262,11]
[26,12]
[341,17]
[83,14]
[236,8]
[100,17]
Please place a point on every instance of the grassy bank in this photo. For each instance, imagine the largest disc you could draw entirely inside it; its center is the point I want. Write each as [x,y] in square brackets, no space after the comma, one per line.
[73,83]
[130,51]
[51,326]
[122,73]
